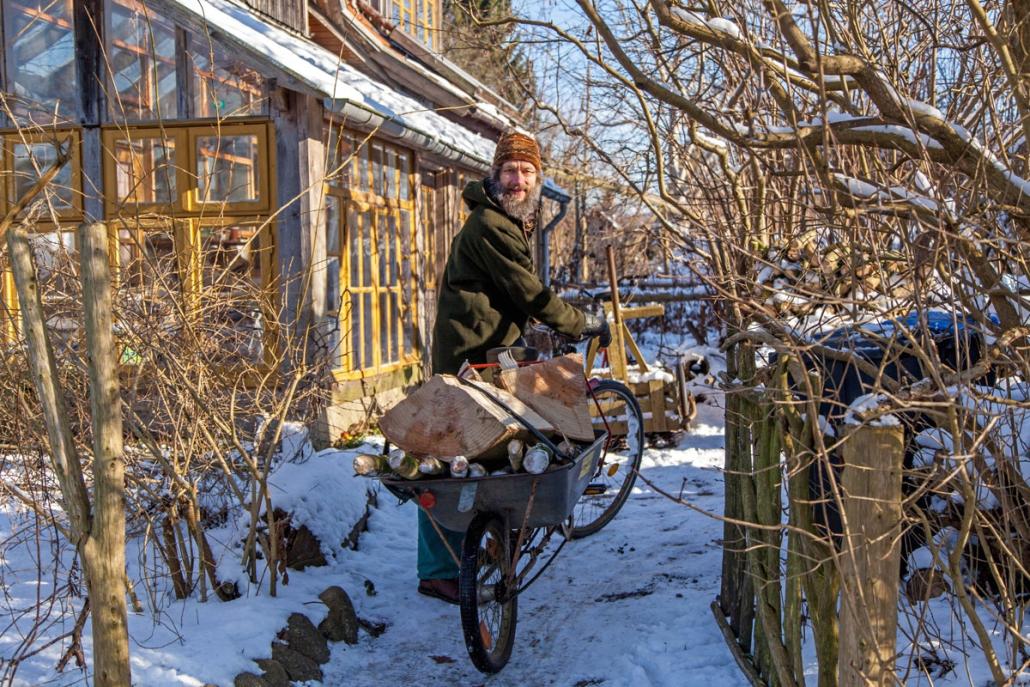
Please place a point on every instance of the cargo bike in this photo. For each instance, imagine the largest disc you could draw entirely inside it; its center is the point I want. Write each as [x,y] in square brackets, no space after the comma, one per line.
[509,520]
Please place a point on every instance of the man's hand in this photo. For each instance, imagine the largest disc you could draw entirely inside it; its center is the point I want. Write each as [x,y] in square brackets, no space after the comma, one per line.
[597,325]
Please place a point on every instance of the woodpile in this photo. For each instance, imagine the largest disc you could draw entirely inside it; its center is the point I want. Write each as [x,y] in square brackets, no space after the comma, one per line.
[453,427]
[801,274]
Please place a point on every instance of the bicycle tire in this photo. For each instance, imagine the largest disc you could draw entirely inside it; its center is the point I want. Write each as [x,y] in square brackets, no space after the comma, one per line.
[595,510]
[488,623]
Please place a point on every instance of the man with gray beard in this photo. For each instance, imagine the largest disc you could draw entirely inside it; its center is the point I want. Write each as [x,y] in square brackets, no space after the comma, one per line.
[488,293]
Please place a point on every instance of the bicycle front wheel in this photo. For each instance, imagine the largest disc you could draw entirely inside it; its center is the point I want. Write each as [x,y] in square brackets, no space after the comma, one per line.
[613,407]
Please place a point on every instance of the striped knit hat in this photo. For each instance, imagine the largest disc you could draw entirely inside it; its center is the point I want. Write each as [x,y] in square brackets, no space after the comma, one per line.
[517,146]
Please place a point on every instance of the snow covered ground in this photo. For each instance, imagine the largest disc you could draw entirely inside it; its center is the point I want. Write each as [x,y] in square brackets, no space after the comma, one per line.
[628,606]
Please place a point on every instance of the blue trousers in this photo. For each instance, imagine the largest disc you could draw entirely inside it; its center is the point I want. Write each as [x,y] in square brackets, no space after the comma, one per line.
[434,561]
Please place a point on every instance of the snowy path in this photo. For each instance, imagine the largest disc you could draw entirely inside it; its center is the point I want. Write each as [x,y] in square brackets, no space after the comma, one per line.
[628,606]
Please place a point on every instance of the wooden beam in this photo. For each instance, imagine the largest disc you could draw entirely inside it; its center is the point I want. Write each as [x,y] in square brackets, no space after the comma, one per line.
[89,63]
[639,311]
[287,190]
[311,179]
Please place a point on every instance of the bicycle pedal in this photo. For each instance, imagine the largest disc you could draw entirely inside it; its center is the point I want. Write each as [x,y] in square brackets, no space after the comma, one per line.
[595,489]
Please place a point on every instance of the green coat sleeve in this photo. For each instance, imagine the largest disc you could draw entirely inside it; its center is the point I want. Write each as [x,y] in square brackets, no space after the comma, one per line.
[511,271]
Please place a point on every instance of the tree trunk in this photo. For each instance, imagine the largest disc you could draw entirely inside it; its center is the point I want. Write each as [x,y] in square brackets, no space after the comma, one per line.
[104,548]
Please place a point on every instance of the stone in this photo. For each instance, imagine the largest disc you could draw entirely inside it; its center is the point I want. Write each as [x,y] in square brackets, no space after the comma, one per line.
[298,666]
[274,673]
[341,625]
[302,547]
[925,584]
[301,635]
[249,680]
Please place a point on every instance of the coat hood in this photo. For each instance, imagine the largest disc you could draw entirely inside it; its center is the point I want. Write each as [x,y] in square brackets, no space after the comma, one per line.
[476,193]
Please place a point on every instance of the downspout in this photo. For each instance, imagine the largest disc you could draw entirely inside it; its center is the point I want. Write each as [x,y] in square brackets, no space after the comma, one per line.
[544,239]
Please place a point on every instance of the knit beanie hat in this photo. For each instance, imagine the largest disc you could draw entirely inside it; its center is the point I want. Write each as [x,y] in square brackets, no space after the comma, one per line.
[517,146]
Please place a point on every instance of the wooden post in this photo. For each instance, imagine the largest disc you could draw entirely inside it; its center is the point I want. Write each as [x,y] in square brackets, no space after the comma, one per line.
[617,351]
[104,549]
[871,556]
[737,595]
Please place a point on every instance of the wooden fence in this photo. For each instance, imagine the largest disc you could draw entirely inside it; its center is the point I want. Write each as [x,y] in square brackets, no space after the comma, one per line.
[769,590]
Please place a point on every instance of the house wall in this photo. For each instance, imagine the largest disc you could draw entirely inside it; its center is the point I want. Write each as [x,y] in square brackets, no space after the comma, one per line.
[187,147]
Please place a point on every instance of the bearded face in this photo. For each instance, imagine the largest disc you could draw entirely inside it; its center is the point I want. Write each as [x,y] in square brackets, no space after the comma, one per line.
[519,189]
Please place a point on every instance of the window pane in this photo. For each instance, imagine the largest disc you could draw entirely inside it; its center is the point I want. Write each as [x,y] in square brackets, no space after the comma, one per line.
[362,155]
[385,245]
[145,170]
[223,86]
[367,334]
[41,57]
[355,232]
[332,225]
[33,159]
[332,291]
[385,322]
[402,164]
[406,282]
[354,322]
[377,170]
[141,53]
[332,342]
[227,168]
[367,247]
[60,289]
[390,174]
[233,293]
[149,274]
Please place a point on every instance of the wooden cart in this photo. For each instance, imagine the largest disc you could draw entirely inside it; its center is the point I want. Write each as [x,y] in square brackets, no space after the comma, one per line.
[668,405]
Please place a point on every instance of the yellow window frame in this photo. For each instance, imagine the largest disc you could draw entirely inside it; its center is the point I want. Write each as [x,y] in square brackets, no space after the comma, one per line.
[264,168]
[355,203]
[268,264]
[116,207]
[71,214]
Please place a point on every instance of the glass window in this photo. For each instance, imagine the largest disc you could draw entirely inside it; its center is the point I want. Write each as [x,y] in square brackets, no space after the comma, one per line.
[145,169]
[60,288]
[41,58]
[340,148]
[376,318]
[417,18]
[233,298]
[29,160]
[227,169]
[141,59]
[223,87]
[148,273]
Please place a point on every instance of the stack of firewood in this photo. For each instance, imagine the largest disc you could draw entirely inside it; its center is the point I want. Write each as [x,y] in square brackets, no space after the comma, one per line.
[800,274]
[466,427]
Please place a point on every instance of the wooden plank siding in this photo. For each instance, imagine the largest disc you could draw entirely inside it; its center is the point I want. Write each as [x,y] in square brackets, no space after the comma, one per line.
[292,14]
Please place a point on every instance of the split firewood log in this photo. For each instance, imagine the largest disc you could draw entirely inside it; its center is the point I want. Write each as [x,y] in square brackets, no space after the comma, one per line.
[446,417]
[556,389]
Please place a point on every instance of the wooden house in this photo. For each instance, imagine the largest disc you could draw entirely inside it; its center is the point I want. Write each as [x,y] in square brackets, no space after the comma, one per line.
[329,137]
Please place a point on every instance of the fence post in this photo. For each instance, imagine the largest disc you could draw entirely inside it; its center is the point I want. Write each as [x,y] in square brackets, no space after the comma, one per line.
[871,555]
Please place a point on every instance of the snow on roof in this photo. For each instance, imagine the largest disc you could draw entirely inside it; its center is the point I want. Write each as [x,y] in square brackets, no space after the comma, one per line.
[325,73]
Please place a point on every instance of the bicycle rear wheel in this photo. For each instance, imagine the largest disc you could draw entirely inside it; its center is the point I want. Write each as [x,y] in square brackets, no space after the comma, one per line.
[489,609]
[611,485]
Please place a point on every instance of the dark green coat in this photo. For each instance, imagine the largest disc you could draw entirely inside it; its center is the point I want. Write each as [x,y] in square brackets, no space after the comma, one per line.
[489,289]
